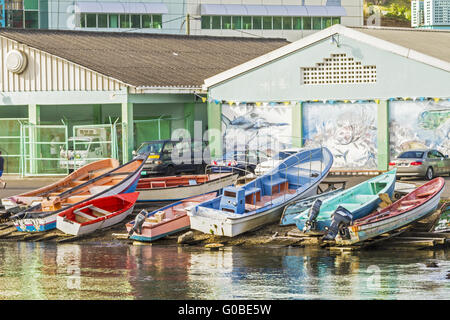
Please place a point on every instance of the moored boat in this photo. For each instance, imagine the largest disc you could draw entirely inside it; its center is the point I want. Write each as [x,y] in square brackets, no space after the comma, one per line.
[297,207]
[165,221]
[95,214]
[415,206]
[360,200]
[261,201]
[173,188]
[78,177]
[42,217]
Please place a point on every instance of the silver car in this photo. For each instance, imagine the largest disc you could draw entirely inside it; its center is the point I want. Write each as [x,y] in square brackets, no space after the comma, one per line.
[426,163]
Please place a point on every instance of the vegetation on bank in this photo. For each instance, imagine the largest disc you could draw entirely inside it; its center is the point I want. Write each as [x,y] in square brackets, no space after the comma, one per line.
[395,13]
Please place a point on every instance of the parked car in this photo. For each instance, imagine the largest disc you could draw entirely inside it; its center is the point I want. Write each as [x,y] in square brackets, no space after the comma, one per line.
[426,163]
[242,162]
[169,157]
[272,162]
[81,151]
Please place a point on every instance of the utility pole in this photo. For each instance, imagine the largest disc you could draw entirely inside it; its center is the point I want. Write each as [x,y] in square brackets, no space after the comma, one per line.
[188,24]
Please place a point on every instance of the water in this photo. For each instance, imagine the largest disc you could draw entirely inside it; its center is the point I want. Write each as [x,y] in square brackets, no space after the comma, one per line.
[121,271]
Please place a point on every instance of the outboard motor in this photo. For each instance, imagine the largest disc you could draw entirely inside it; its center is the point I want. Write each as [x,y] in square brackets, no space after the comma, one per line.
[341,219]
[138,222]
[311,223]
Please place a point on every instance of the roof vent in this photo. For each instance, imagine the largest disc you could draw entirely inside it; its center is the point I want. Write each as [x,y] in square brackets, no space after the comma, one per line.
[16,61]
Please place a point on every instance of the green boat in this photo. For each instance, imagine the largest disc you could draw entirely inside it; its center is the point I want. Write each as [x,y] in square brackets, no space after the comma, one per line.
[360,200]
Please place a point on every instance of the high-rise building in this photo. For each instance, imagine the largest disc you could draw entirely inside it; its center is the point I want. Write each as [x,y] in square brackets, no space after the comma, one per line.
[291,19]
[431,14]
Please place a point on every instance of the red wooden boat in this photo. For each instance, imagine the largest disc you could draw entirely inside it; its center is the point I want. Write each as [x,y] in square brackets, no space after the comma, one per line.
[415,206]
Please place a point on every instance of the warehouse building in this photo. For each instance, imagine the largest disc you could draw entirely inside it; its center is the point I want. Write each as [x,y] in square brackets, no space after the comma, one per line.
[365,93]
[290,19]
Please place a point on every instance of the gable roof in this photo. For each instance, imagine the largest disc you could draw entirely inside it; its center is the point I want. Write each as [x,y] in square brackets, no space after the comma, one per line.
[429,47]
[147,60]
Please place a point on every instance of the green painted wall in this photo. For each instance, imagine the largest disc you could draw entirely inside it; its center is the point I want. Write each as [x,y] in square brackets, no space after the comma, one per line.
[280,80]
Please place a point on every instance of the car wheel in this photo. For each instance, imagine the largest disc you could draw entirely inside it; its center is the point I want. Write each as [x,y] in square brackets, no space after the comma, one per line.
[429,174]
[170,171]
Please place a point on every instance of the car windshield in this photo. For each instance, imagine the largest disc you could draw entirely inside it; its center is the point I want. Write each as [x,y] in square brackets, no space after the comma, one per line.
[411,155]
[150,148]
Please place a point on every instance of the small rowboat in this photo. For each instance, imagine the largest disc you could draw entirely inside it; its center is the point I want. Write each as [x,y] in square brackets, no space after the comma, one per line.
[96,214]
[165,221]
[80,176]
[173,188]
[295,208]
[42,217]
[360,200]
[262,200]
[413,207]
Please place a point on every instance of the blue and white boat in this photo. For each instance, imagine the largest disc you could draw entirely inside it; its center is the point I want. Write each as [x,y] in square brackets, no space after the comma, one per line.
[241,209]
[360,200]
[42,217]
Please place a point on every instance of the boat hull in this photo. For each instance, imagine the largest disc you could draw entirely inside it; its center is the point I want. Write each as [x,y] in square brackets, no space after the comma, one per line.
[48,220]
[183,192]
[211,222]
[162,230]
[70,227]
[359,233]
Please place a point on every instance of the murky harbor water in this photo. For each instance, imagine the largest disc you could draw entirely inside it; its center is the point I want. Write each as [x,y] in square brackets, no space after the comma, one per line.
[122,271]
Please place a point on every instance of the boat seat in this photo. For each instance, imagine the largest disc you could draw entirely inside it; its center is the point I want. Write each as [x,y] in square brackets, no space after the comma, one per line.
[93,209]
[425,194]
[84,215]
[270,184]
[252,195]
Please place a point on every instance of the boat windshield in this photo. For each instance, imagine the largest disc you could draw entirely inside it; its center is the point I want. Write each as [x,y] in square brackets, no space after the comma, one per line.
[411,155]
[154,148]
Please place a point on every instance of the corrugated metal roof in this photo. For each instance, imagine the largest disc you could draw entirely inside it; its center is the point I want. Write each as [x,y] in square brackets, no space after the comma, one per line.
[435,43]
[147,60]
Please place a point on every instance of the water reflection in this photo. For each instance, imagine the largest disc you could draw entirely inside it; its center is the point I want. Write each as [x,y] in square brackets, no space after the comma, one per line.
[121,271]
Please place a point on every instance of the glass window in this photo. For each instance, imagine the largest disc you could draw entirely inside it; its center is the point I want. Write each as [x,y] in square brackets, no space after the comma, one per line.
[326,22]
[135,21]
[267,23]
[317,23]
[257,23]
[157,21]
[83,20]
[236,22]
[113,20]
[124,20]
[215,22]
[297,23]
[277,23]
[206,22]
[287,23]
[226,22]
[411,155]
[146,21]
[246,23]
[91,20]
[30,4]
[17,19]
[306,23]
[102,20]
[32,19]
[336,20]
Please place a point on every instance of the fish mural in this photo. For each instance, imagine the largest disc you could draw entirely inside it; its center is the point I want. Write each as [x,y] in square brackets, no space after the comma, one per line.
[259,128]
[347,130]
[419,125]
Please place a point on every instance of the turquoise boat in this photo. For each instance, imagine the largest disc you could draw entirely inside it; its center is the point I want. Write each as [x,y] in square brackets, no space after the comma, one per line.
[294,209]
[360,200]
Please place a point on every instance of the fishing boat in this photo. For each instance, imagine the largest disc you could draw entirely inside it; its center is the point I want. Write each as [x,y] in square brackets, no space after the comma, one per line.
[415,206]
[78,177]
[261,201]
[359,200]
[165,221]
[95,214]
[297,207]
[42,217]
[173,188]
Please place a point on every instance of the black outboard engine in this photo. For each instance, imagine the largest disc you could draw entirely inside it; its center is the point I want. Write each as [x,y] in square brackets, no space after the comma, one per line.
[138,222]
[341,219]
[311,223]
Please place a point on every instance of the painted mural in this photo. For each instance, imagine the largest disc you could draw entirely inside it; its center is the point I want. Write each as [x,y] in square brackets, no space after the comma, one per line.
[264,127]
[348,130]
[419,124]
